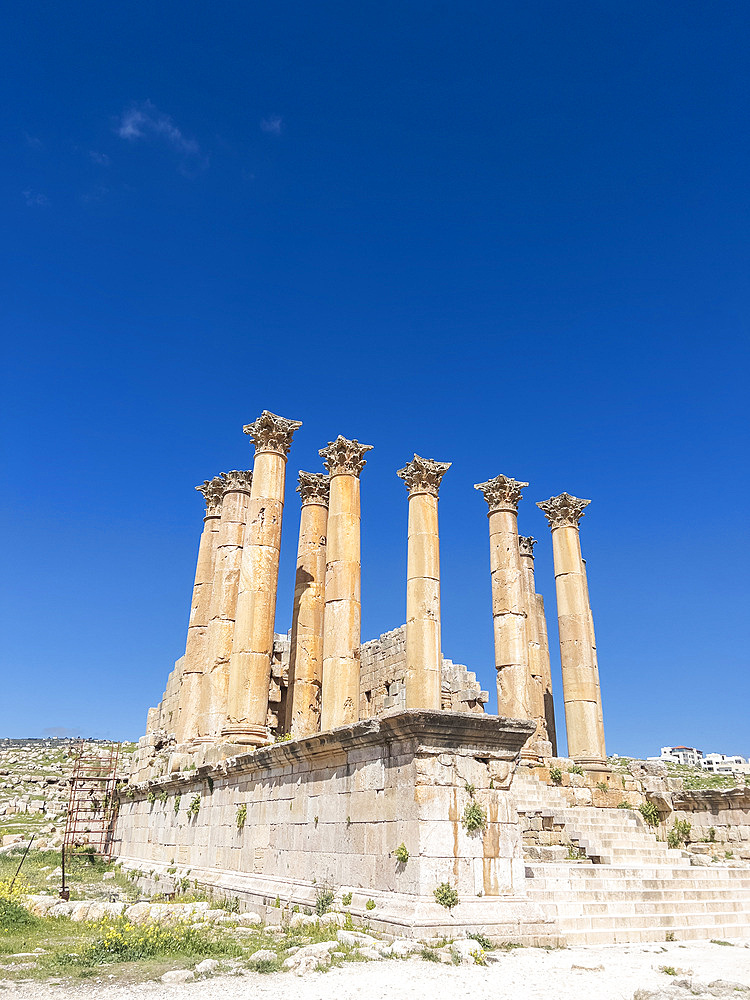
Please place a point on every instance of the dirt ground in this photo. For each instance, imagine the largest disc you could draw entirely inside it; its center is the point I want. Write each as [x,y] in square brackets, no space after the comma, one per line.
[583,973]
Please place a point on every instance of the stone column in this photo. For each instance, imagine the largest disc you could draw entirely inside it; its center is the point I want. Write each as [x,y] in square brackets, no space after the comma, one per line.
[514,698]
[344,461]
[580,687]
[592,638]
[214,686]
[536,633]
[194,663]
[306,652]
[423,651]
[250,665]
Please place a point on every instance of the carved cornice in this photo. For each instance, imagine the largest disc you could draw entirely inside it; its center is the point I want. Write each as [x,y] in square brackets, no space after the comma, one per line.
[564,511]
[423,475]
[237,482]
[213,491]
[501,493]
[344,457]
[272,433]
[314,487]
[526,545]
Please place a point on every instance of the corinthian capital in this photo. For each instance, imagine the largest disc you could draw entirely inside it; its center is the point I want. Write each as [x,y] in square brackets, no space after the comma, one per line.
[272,433]
[501,493]
[213,492]
[423,475]
[314,487]
[344,457]
[526,545]
[236,481]
[564,511]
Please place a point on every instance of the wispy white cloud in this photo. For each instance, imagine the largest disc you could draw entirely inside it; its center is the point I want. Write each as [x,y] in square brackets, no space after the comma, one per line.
[33,141]
[272,124]
[145,121]
[35,199]
[101,159]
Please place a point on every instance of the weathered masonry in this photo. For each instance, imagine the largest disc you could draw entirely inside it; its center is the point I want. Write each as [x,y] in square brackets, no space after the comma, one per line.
[310,757]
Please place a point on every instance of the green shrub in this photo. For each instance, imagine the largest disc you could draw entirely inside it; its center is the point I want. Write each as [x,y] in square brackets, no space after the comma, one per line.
[401,853]
[194,807]
[575,769]
[650,813]
[429,955]
[484,943]
[474,818]
[346,899]
[469,789]
[446,895]
[624,804]
[679,834]
[370,904]
[177,800]
[14,917]
[712,834]
[163,796]
[668,970]
[555,775]
[151,797]
[602,786]
[241,816]
[324,897]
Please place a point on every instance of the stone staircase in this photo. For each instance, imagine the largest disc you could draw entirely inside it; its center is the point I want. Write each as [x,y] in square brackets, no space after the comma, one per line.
[631,888]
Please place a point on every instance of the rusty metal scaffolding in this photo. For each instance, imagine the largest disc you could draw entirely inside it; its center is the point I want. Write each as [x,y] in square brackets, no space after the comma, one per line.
[91,800]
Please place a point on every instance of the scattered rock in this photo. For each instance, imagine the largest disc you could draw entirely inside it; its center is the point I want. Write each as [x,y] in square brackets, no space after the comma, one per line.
[207,967]
[354,938]
[370,953]
[178,976]
[264,955]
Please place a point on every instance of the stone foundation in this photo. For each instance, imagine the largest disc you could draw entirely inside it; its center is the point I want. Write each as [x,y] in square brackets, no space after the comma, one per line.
[330,810]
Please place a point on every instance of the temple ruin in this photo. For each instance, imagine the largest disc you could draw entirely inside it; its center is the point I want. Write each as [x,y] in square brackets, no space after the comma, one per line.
[310,756]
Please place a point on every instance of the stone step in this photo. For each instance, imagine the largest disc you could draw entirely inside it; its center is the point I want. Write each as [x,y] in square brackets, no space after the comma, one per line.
[639,871]
[644,884]
[729,920]
[640,907]
[656,935]
[630,890]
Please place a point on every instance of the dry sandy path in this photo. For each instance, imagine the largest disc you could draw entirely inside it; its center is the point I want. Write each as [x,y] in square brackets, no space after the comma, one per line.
[607,973]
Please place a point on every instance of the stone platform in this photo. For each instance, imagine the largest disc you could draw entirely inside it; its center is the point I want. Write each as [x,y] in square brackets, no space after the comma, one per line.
[328,811]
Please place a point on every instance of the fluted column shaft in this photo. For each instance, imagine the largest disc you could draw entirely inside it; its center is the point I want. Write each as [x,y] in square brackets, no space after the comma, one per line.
[423,647]
[592,638]
[229,541]
[514,697]
[306,650]
[194,664]
[343,607]
[250,664]
[580,685]
[536,655]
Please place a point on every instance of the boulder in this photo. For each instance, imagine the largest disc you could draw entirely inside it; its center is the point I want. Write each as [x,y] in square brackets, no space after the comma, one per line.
[178,976]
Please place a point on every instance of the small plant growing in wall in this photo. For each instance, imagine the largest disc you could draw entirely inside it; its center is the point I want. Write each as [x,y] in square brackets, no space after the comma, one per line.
[151,798]
[346,899]
[194,807]
[679,834]
[370,904]
[446,895]
[177,800]
[241,817]
[474,818]
[163,796]
[712,834]
[555,775]
[469,789]
[650,813]
[401,854]
[324,897]
[575,769]
[602,786]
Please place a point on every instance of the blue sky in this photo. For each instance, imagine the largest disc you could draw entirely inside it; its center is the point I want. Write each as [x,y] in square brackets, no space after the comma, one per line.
[509,236]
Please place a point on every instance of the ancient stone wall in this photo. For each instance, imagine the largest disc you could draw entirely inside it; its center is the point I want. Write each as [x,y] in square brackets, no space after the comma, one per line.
[382,684]
[331,809]
[726,812]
